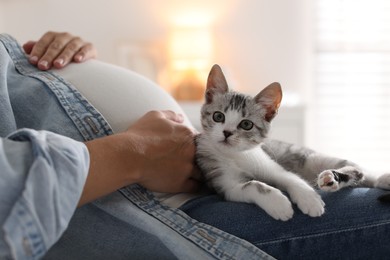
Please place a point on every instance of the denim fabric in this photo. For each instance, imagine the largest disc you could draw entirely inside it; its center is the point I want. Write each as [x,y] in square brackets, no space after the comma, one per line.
[41,179]
[42,100]
[355,226]
[128,224]
[144,229]
[41,173]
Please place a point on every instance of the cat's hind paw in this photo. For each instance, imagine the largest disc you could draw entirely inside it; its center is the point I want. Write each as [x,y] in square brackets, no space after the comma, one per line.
[333,180]
[327,181]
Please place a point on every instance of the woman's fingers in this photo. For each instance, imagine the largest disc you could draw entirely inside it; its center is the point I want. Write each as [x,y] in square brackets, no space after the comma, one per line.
[39,49]
[86,52]
[28,46]
[66,54]
[58,50]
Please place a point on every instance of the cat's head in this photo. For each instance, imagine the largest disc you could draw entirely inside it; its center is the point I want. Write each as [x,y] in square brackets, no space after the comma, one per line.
[234,121]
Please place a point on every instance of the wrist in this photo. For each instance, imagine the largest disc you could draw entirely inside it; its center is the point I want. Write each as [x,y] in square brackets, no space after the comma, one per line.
[128,156]
[113,165]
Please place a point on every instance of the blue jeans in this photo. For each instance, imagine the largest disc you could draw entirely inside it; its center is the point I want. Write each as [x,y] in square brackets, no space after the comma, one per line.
[355,226]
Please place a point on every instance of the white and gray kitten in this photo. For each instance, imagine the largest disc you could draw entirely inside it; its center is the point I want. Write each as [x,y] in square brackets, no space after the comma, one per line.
[240,163]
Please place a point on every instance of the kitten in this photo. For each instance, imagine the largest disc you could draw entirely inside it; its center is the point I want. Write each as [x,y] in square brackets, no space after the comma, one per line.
[240,163]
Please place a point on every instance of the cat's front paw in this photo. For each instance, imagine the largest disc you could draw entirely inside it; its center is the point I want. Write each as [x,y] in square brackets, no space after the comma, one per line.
[276,204]
[383,182]
[310,203]
[333,180]
[279,206]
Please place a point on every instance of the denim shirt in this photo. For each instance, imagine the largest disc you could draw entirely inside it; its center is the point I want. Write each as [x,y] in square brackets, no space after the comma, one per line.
[43,167]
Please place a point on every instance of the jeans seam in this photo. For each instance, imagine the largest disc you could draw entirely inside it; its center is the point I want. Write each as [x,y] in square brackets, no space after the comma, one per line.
[321,234]
[129,193]
[176,227]
[63,91]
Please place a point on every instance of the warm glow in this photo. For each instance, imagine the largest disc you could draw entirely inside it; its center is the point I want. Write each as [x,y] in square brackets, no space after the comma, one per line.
[192,19]
[190,48]
[190,44]
[190,54]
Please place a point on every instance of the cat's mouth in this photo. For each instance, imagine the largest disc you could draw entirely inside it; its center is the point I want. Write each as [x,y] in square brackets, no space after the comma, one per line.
[226,142]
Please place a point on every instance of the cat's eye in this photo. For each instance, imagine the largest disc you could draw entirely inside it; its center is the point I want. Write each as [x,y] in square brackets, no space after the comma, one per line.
[219,117]
[246,124]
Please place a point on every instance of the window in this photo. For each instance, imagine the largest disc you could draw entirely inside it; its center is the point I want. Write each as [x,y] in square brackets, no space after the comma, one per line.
[351,111]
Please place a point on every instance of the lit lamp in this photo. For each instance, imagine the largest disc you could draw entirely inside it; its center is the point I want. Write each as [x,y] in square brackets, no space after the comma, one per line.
[190,50]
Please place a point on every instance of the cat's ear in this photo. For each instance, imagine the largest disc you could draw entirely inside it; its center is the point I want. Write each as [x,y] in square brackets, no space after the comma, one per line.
[216,83]
[270,98]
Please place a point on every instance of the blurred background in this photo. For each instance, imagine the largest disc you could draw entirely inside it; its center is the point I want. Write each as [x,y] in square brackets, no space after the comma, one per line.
[331,57]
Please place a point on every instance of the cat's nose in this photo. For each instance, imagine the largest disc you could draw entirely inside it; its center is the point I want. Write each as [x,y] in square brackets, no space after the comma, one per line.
[227,133]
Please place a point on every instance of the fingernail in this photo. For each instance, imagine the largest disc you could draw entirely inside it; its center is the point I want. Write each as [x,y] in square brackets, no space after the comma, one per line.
[78,57]
[44,64]
[59,61]
[33,59]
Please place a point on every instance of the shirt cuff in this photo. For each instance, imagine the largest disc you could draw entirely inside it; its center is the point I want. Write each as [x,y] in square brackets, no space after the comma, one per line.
[50,195]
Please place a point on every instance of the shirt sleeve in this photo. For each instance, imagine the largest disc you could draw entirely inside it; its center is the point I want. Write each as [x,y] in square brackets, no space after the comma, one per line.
[42,175]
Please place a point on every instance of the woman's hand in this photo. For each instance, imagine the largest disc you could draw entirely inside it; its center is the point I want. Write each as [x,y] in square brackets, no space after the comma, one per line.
[57,50]
[157,152]
[166,151]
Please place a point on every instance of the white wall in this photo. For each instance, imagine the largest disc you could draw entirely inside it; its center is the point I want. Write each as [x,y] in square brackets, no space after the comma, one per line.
[1,17]
[266,41]
[257,41]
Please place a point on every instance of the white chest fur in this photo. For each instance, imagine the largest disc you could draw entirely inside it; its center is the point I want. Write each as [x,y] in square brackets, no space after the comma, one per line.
[253,164]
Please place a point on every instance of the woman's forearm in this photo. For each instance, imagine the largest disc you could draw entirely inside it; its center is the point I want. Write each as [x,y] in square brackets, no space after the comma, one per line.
[106,171]
[156,152]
